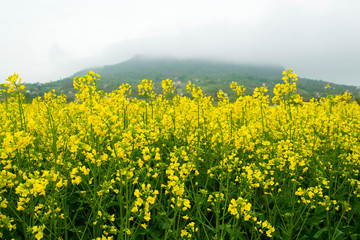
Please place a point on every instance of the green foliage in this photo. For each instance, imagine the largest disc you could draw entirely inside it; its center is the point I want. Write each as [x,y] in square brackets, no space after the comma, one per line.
[171,167]
[209,75]
[357,99]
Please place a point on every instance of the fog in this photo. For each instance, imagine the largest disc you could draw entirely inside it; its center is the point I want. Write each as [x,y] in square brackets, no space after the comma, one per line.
[49,40]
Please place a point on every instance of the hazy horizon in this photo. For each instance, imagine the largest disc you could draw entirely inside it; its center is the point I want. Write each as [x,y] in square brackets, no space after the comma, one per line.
[49,40]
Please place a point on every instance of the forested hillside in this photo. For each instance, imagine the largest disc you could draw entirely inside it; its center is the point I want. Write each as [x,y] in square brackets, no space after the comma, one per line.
[211,76]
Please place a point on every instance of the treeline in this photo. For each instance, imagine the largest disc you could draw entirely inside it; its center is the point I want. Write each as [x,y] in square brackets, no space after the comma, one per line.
[209,75]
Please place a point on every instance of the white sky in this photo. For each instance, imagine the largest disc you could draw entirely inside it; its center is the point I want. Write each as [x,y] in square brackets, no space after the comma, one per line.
[45,40]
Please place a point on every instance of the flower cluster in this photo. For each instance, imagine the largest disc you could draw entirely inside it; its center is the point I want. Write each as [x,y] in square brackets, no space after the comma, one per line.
[111,166]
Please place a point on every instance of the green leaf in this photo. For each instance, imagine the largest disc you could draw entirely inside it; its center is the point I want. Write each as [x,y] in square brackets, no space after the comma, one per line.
[155,234]
[304,237]
[338,234]
[206,225]
[318,233]
[355,236]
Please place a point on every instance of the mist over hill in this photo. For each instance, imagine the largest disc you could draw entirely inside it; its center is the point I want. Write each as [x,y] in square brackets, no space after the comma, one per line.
[210,75]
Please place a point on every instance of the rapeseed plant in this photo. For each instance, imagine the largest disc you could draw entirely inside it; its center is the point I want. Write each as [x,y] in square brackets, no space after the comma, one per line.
[171,167]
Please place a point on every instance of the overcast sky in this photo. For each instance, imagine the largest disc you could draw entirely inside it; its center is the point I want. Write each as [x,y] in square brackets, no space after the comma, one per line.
[49,40]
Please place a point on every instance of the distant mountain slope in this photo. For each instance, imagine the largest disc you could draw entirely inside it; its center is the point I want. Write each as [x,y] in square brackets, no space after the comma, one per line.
[157,69]
[209,75]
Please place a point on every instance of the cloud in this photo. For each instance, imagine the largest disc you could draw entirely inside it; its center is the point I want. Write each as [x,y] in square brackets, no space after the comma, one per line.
[56,54]
[47,40]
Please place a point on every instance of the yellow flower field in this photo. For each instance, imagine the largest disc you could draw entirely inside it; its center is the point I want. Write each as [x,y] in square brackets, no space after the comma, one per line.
[170,167]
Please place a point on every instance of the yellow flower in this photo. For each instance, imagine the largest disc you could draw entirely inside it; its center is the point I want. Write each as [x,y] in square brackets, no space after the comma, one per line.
[147,216]
[39,235]
[184,233]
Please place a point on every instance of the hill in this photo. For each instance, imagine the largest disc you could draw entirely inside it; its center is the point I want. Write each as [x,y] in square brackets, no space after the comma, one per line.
[211,76]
